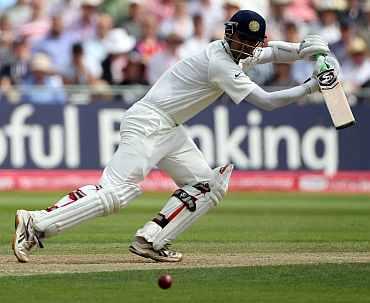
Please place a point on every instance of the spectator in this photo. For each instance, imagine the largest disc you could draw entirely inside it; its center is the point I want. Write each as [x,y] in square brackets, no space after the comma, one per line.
[354,10]
[6,39]
[198,42]
[328,24]
[135,71]
[303,13]
[7,92]
[277,18]
[260,73]
[68,9]
[118,44]
[180,23]
[39,23]
[211,12]
[300,70]
[259,6]
[18,66]
[5,25]
[161,61]
[95,48]
[42,86]
[57,44]
[78,71]
[161,9]
[356,71]
[364,25]
[195,21]
[101,92]
[85,25]
[282,76]
[132,24]
[230,7]
[19,14]
[290,32]
[149,45]
[340,47]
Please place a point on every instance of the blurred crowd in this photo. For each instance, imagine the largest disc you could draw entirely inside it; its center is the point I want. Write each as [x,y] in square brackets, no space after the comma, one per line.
[46,46]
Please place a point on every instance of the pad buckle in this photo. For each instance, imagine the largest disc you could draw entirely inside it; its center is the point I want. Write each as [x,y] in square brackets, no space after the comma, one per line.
[184,197]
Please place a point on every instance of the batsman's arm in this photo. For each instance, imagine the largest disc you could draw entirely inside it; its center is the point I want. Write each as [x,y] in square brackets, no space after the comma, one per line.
[279,52]
[272,100]
[286,52]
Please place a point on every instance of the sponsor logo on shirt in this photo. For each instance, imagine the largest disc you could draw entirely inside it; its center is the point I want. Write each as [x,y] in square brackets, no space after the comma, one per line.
[237,75]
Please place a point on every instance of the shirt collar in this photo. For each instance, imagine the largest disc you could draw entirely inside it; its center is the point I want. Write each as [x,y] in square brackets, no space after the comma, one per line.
[227,50]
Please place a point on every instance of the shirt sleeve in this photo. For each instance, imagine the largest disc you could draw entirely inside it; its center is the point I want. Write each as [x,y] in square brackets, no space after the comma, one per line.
[272,100]
[229,77]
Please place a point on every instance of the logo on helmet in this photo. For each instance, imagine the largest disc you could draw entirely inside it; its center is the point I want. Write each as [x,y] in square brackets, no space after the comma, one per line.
[254,26]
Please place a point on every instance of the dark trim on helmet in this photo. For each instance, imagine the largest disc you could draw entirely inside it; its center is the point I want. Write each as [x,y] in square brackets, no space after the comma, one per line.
[231,28]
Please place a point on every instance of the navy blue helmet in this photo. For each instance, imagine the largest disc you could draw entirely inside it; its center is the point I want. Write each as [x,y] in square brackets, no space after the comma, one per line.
[248,24]
[245,33]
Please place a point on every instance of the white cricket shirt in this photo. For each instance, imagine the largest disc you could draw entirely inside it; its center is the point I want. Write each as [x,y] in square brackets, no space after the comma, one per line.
[194,83]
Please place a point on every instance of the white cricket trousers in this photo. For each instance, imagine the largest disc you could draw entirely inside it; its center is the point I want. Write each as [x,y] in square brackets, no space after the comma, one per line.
[150,138]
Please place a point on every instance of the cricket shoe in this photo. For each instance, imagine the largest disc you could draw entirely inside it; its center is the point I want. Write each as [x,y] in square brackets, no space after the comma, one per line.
[145,249]
[25,237]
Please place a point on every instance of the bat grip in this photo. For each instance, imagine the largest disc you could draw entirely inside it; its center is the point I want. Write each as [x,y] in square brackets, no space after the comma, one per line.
[320,58]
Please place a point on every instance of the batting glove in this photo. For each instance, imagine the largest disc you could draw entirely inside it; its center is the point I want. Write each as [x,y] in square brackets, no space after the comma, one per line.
[312,85]
[311,46]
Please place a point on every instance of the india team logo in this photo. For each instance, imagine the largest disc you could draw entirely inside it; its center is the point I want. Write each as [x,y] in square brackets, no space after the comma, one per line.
[254,26]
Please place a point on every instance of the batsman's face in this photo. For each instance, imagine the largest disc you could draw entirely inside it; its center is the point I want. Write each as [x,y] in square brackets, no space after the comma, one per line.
[244,48]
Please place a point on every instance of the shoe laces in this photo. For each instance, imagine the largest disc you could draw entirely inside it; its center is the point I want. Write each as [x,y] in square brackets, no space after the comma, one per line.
[29,244]
[38,242]
[32,238]
[166,248]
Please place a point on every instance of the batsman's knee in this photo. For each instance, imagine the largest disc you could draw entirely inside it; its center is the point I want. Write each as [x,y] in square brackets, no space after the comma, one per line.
[220,182]
[112,198]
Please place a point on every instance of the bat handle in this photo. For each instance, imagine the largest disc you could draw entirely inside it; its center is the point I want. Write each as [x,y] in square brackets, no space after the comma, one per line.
[321,59]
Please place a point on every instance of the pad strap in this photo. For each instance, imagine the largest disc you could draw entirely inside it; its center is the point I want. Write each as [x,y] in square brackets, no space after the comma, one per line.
[187,199]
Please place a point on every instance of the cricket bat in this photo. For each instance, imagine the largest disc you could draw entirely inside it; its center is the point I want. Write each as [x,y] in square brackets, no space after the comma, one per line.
[333,93]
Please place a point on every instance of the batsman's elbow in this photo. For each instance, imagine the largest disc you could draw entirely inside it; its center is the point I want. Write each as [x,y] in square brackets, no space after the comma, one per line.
[263,100]
[268,106]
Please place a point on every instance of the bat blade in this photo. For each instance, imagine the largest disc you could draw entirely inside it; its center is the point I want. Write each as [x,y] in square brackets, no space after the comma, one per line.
[335,99]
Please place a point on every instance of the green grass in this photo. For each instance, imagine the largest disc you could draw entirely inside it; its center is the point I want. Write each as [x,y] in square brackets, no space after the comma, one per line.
[244,223]
[299,283]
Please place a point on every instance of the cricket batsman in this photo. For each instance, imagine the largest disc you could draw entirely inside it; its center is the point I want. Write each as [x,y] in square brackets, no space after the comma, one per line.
[152,135]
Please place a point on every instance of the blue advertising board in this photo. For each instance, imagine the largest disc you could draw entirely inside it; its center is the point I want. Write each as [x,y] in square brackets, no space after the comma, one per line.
[298,137]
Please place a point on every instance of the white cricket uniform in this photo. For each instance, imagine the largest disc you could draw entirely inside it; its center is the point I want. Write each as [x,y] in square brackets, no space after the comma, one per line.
[151,130]
[152,135]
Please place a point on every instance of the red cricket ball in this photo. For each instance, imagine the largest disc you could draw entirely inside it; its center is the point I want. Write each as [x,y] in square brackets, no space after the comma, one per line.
[165,281]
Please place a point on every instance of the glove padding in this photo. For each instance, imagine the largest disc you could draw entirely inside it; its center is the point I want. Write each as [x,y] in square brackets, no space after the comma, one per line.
[312,84]
[311,46]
